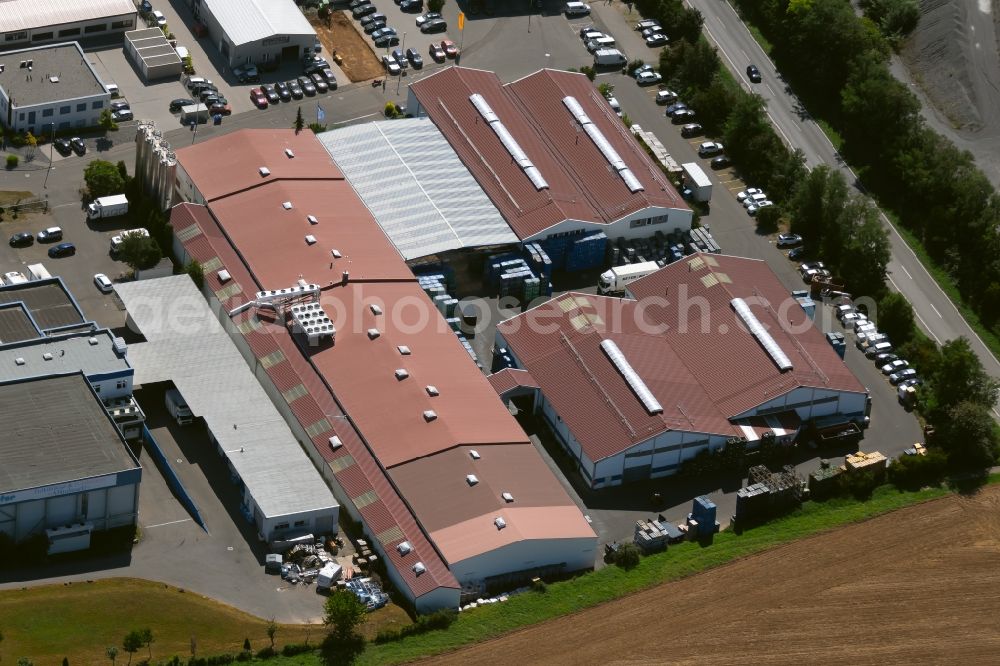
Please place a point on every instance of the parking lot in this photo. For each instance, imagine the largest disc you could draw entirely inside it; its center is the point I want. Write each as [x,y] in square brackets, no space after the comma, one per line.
[409,34]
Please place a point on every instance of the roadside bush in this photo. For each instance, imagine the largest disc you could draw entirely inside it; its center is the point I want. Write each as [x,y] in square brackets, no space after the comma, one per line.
[589,72]
[267,653]
[915,472]
[12,161]
[540,586]
[627,556]
[437,620]
[292,649]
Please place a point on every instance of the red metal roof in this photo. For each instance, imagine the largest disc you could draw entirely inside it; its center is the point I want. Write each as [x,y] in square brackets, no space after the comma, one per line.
[509,379]
[231,163]
[702,377]
[581,184]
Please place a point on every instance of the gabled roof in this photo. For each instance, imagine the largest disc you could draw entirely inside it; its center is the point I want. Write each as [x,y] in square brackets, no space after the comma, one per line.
[683,340]
[247,21]
[508,379]
[581,185]
[416,187]
[231,163]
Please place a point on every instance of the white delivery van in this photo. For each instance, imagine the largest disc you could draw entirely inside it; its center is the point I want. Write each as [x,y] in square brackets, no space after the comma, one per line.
[37,272]
[609,58]
[328,575]
[576,9]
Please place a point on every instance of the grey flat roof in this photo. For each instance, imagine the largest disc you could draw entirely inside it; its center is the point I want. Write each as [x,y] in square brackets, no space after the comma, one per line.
[66,63]
[28,14]
[417,188]
[246,21]
[152,46]
[61,433]
[187,345]
[49,303]
[16,324]
[92,353]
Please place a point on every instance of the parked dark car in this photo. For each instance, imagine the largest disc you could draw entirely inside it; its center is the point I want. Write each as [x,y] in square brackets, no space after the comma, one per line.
[434,25]
[364,10]
[414,57]
[307,85]
[62,145]
[354,4]
[62,250]
[682,117]
[176,104]
[387,40]
[282,89]
[270,93]
[374,25]
[22,239]
[319,82]
[295,89]
[79,147]
[691,130]
[372,18]
[331,78]
[400,57]
[720,162]
[145,7]
[411,5]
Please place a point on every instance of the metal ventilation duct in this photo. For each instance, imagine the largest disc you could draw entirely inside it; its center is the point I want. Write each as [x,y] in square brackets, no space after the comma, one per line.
[763,337]
[603,145]
[631,377]
[508,141]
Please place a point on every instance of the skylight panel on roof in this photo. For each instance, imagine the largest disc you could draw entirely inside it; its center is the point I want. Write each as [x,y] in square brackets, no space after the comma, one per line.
[631,377]
[756,328]
[508,141]
[603,145]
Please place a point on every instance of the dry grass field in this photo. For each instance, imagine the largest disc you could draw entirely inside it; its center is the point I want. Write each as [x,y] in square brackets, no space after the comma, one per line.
[918,586]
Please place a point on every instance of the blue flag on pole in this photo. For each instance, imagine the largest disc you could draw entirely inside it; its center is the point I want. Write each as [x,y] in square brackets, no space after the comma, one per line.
[320,114]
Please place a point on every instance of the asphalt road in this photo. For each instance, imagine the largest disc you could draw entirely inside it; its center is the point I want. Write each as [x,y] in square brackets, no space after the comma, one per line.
[936,313]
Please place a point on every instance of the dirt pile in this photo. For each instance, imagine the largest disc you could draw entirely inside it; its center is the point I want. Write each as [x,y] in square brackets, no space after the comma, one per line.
[921,585]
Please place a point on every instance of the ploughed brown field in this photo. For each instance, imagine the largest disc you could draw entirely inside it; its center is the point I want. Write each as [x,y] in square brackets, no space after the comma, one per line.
[918,586]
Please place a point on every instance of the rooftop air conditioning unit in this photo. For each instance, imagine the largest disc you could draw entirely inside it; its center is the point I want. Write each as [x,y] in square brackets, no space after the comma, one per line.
[224,275]
[404,547]
[403,350]
[430,415]
[373,333]
[92,341]
[376,310]
[288,151]
[47,356]
[310,240]
[475,454]
[335,443]
[264,171]
[500,522]
[401,373]
[472,479]
[432,390]
[419,568]
[19,361]
[287,205]
[312,219]
[507,497]
[336,253]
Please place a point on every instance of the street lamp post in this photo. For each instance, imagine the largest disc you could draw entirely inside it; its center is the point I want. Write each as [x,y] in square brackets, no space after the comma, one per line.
[399,79]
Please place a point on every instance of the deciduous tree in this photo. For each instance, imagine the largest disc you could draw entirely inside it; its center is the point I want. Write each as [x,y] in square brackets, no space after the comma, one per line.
[895,318]
[343,612]
[102,179]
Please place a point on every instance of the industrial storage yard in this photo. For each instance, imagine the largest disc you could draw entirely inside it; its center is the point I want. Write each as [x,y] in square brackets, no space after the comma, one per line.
[920,585]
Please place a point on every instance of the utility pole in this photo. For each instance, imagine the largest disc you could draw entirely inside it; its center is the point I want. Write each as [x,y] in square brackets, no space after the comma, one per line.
[402,70]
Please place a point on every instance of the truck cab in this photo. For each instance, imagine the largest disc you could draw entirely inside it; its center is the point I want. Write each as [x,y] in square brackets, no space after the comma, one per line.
[178,408]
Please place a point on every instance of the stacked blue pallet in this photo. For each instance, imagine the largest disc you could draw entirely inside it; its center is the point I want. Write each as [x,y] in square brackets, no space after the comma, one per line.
[556,249]
[501,360]
[703,512]
[469,349]
[587,252]
[436,270]
[539,260]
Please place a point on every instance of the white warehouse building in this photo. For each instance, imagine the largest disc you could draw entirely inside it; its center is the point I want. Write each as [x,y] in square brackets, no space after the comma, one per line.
[634,387]
[256,31]
[50,87]
[70,477]
[27,22]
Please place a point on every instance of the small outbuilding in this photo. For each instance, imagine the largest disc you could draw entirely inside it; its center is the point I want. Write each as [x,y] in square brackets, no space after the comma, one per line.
[152,54]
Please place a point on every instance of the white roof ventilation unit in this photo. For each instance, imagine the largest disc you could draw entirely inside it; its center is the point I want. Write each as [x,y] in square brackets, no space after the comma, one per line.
[287,205]
[312,219]
[508,141]
[373,333]
[19,361]
[430,415]
[376,310]
[224,276]
[472,479]
[474,454]
[404,547]
[264,171]
[507,497]
[403,350]
[603,145]
[631,377]
[419,568]
[310,239]
[401,373]
[432,390]
[310,319]
[336,253]
[763,337]
[47,356]
[92,342]
[500,522]
[288,151]
[335,443]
